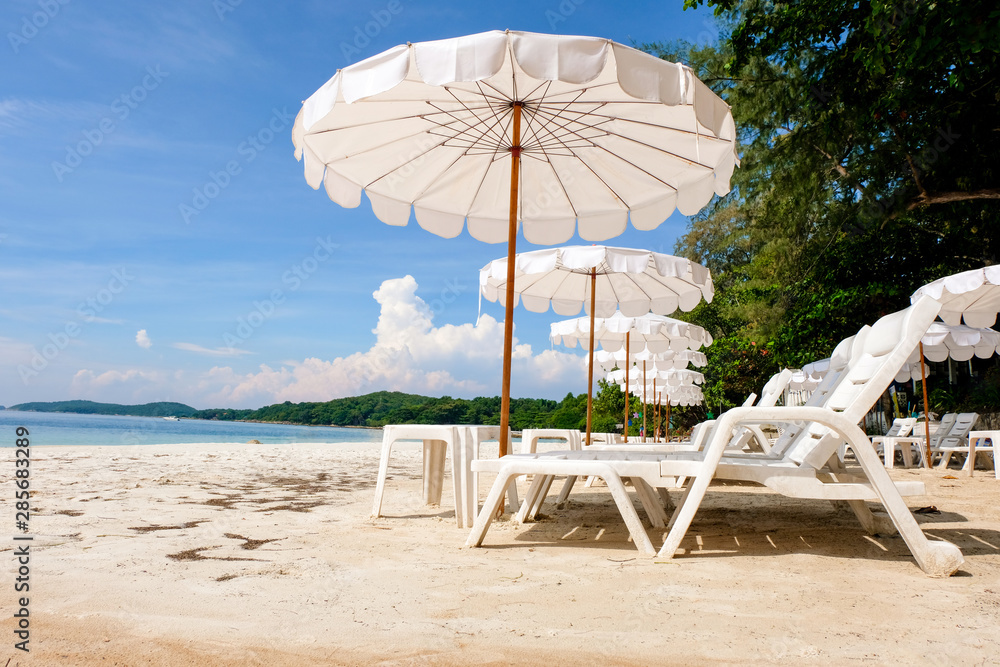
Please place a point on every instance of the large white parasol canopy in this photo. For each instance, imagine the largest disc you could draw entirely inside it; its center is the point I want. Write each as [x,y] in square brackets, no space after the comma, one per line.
[609,134]
[561,134]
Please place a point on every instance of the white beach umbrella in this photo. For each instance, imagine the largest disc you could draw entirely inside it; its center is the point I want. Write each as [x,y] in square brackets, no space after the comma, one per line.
[602,280]
[667,387]
[803,381]
[944,341]
[647,334]
[668,360]
[563,134]
[628,283]
[940,343]
[972,297]
[653,335]
[670,378]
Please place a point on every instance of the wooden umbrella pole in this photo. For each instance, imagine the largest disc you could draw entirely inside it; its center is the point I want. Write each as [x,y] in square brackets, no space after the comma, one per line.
[927,411]
[508,320]
[590,366]
[667,425]
[628,359]
[654,409]
[644,401]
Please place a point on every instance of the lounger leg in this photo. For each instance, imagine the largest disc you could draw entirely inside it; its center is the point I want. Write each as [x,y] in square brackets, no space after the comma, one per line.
[512,495]
[536,503]
[685,512]
[434,455]
[490,507]
[625,508]
[938,559]
[907,452]
[461,473]
[383,469]
[650,503]
[564,494]
[686,485]
[537,486]
[668,502]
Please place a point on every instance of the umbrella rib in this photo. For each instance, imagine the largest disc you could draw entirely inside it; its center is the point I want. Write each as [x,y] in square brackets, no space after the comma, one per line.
[506,140]
[368,123]
[488,128]
[641,143]
[552,119]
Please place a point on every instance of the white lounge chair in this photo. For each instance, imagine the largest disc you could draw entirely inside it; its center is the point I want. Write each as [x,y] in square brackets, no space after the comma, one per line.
[957,439]
[804,466]
[897,437]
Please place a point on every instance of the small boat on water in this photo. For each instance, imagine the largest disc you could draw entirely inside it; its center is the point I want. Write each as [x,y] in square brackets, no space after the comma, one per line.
[172,418]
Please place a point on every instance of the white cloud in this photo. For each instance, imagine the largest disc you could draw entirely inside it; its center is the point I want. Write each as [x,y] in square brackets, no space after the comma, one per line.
[86,380]
[142,340]
[214,352]
[410,355]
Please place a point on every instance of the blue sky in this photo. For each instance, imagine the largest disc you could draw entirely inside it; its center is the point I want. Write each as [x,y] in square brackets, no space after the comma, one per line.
[114,116]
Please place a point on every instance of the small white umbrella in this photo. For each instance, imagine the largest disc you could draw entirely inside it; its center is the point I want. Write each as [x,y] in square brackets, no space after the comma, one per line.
[972,297]
[668,360]
[685,395]
[678,386]
[561,134]
[602,280]
[670,378]
[657,335]
[653,334]
[958,342]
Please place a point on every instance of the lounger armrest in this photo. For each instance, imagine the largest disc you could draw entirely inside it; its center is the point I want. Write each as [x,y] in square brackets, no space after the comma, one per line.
[736,417]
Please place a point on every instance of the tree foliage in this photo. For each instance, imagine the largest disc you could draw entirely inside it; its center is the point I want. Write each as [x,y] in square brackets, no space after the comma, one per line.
[870,137]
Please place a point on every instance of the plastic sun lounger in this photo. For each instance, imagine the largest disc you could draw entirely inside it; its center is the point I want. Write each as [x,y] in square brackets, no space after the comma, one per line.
[897,436]
[805,466]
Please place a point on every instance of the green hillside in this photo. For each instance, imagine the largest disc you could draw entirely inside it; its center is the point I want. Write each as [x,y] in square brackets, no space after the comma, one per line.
[91,408]
[385,407]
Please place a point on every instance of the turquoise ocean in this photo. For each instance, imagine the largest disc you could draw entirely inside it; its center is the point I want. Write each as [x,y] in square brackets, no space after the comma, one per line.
[54,428]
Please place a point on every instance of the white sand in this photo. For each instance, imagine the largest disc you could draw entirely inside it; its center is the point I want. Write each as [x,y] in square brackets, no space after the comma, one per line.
[116,577]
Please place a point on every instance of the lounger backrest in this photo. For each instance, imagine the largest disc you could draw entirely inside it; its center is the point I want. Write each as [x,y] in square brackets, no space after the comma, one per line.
[943,429]
[959,433]
[873,366]
[838,363]
[901,427]
[775,388]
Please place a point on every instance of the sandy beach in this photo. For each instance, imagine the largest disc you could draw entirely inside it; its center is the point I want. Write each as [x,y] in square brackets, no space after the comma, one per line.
[266,555]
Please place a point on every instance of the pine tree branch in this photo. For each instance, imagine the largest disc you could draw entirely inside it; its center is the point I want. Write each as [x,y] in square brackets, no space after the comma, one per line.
[928,198]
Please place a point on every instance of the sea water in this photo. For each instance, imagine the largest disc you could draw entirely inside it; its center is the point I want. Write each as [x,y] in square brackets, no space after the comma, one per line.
[55,428]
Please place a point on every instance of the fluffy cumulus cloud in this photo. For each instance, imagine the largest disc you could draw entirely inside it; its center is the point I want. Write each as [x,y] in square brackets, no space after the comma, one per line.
[116,386]
[410,354]
[142,340]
